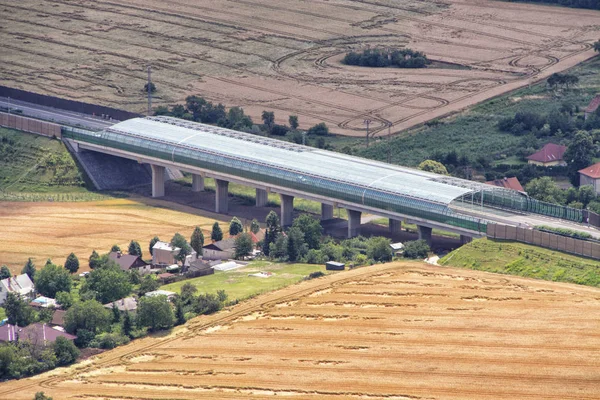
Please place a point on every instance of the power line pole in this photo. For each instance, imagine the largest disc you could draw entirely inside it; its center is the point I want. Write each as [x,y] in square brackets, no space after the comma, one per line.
[367,122]
[149,84]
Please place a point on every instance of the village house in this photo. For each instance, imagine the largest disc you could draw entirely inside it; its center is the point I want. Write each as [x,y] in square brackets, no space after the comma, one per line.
[123,305]
[590,176]
[128,262]
[592,107]
[18,284]
[221,250]
[164,254]
[551,155]
[38,333]
[507,183]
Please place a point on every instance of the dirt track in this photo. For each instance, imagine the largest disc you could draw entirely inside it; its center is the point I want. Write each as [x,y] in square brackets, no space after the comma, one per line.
[401,331]
[285,55]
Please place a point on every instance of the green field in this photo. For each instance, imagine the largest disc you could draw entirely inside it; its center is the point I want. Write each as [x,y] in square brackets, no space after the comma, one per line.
[238,285]
[474,132]
[524,260]
[36,164]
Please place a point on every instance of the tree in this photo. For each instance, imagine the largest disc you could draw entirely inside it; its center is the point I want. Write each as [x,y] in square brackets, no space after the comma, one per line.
[41,396]
[235,226]
[116,314]
[179,314]
[293,120]
[149,284]
[152,87]
[579,154]
[178,241]
[127,325]
[5,272]
[433,166]
[18,311]
[153,241]
[29,269]
[311,230]
[134,276]
[72,263]
[217,233]
[66,352]
[544,189]
[254,226]
[155,313]
[271,232]
[134,249]
[53,279]
[115,248]
[586,194]
[597,46]
[187,293]
[88,315]
[268,118]
[93,260]
[416,249]
[108,282]
[319,129]
[278,249]
[243,245]
[64,299]
[296,246]
[197,241]
[378,248]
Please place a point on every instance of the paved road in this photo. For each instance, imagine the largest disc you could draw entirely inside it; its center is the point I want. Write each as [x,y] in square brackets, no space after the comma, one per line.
[56,115]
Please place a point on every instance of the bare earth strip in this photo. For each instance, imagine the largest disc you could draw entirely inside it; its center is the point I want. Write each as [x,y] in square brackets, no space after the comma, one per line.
[285,55]
[392,331]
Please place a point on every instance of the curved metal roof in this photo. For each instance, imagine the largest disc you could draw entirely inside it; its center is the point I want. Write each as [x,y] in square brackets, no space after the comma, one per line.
[176,133]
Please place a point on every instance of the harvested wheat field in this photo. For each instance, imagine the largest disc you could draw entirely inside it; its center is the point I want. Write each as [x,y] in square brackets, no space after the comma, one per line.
[53,230]
[285,55]
[391,331]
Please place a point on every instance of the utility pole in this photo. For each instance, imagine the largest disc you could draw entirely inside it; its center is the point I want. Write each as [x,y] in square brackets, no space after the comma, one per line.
[149,91]
[367,122]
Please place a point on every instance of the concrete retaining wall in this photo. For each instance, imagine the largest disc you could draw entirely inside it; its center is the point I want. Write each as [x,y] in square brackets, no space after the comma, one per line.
[29,125]
[544,239]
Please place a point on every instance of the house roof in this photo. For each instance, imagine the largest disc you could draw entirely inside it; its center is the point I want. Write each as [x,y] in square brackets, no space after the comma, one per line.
[397,246]
[222,245]
[160,293]
[594,104]
[37,332]
[164,246]
[125,261]
[58,318]
[164,275]
[43,302]
[593,171]
[548,153]
[507,183]
[126,304]
[20,284]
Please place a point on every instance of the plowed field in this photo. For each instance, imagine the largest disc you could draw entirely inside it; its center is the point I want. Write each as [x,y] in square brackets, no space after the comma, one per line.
[285,55]
[393,331]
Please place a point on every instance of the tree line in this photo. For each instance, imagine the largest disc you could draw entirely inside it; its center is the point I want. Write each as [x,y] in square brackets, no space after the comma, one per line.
[378,58]
[587,4]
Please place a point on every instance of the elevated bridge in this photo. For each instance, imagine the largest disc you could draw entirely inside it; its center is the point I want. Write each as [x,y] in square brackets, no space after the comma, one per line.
[335,180]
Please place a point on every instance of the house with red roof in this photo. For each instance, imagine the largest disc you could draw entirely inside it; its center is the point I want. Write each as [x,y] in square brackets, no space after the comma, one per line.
[592,107]
[37,333]
[551,155]
[507,183]
[590,176]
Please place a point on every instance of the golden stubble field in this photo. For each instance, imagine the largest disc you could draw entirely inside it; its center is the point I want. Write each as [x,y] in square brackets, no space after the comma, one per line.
[285,55]
[391,331]
[53,230]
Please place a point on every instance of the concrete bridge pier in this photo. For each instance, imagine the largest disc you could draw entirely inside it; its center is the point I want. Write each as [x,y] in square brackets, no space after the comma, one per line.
[158,180]
[326,212]
[262,197]
[353,223]
[464,239]
[221,193]
[424,233]
[197,183]
[287,210]
[395,226]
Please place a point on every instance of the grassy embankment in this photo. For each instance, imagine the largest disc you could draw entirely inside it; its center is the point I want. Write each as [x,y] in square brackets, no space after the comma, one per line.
[520,259]
[238,285]
[474,132]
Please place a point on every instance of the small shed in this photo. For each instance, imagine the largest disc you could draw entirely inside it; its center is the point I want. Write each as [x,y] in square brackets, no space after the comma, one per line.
[397,248]
[334,266]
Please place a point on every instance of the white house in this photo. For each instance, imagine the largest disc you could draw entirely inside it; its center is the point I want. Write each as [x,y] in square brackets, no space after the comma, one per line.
[19,284]
[164,254]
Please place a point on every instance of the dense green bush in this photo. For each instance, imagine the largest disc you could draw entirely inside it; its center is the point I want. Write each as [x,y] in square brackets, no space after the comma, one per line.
[416,249]
[405,58]
[564,232]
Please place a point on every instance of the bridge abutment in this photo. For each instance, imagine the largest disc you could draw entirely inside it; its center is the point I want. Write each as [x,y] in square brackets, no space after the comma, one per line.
[353,223]
[197,183]
[424,233]
[221,193]
[287,209]
[262,197]
[158,180]
[464,239]
[326,212]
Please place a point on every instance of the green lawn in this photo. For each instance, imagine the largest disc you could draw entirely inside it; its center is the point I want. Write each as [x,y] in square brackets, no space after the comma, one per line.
[524,260]
[2,313]
[238,285]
